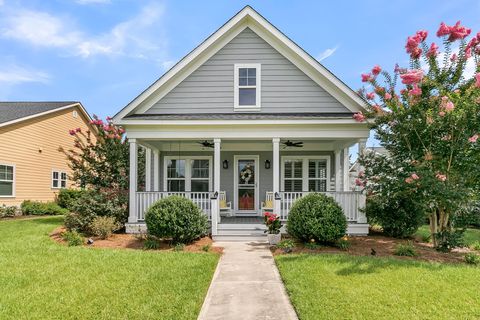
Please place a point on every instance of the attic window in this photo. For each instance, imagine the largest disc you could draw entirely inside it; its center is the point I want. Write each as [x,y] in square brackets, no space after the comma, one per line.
[247,87]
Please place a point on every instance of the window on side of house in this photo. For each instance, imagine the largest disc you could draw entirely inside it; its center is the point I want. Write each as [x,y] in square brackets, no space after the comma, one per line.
[305,173]
[7,180]
[247,87]
[59,179]
[191,174]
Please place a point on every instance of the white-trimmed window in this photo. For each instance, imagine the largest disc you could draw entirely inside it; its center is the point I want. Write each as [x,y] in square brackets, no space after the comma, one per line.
[247,85]
[59,179]
[7,180]
[305,173]
[188,174]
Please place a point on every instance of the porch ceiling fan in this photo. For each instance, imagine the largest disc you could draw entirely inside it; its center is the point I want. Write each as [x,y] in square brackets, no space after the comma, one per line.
[288,143]
[206,144]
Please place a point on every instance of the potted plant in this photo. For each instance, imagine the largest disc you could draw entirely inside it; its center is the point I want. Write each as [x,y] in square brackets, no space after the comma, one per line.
[272,221]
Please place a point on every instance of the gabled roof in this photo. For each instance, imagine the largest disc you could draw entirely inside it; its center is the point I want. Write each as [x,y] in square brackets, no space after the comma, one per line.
[16,111]
[246,18]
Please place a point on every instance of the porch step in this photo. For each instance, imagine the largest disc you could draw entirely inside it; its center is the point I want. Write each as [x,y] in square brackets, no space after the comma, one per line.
[240,232]
[240,237]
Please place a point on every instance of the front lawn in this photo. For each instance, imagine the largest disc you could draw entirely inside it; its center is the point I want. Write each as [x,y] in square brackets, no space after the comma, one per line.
[471,235]
[41,279]
[339,286]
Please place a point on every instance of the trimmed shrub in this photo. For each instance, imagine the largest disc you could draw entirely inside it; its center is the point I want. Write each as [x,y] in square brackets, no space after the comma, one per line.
[41,208]
[316,217]
[8,211]
[398,215]
[92,204]
[103,227]
[177,218]
[406,250]
[66,198]
[73,238]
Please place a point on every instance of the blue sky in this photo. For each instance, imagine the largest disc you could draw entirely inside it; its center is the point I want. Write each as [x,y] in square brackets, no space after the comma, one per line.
[104,53]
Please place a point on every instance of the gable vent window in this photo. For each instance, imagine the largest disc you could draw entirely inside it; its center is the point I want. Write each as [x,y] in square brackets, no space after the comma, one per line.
[247,87]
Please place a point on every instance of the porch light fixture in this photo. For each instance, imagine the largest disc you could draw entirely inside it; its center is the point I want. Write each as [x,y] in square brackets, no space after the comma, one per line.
[225,164]
[267,164]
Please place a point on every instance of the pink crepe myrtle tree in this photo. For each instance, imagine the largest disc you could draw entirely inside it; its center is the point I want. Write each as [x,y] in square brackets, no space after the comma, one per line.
[429,123]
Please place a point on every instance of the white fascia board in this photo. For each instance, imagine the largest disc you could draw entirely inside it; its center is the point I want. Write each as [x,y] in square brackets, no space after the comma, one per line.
[147,123]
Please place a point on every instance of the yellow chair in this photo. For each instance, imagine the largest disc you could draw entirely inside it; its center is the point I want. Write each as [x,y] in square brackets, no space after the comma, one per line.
[225,207]
[267,205]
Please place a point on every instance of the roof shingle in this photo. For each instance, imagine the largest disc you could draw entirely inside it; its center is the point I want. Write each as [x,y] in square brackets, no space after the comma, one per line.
[10,111]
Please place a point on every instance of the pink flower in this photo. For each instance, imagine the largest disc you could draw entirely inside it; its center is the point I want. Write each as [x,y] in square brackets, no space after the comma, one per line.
[441,177]
[443,30]
[408,180]
[446,105]
[359,182]
[422,35]
[416,91]
[376,70]
[468,53]
[414,176]
[458,32]
[71,132]
[473,138]
[412,76]
[446,138]
[379,90]
[370,96]
[441,113]
[477,80]
[377,108]
[433,51]
[359,117]
[78,130]
[366,77]
[388,96]
[108,118]
[453,57]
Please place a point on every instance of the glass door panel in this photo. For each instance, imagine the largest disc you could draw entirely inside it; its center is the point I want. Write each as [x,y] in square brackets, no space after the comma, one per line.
[246,185]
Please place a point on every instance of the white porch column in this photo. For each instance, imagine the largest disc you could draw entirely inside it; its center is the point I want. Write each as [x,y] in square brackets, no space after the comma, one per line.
[338,171]
[276,175]
[346,169]
[148,169]
[156,171]
[215,207]
[132,213]
[362,199]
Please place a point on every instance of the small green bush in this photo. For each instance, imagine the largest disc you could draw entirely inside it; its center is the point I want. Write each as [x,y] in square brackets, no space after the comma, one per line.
[178,247]
[406,250]
[41,208]
[399,215]
[475,246]
[67,198]
[206,248]
[343,244]
[318,217]
[472,258]
[151,243]
[177,218]
[447,240]
[8,211]
[73,238]
[103,227]
[286,245]
[312,245]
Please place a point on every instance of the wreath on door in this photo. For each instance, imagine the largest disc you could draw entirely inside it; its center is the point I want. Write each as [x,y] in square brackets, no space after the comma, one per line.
[246,174]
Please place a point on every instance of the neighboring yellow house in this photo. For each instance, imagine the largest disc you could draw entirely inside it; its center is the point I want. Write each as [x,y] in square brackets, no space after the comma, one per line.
[31,133]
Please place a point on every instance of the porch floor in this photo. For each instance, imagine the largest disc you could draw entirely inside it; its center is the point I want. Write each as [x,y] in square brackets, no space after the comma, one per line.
[241,220]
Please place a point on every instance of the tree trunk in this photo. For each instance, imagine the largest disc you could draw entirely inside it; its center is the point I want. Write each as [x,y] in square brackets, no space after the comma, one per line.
[439,222]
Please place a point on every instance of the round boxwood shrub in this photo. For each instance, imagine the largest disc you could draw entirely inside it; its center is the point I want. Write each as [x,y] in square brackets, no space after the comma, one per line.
[177,218]
[318,217]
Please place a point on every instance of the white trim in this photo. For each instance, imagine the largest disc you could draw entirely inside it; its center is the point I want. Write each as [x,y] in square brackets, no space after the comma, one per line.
[256,159]
[188,170]
[305,170]
[338,171]
[156,170]
[59,171]
[79,105]
[132,190]
[14,181]
[332,120]
[247,17]
[257,87]
[148,169]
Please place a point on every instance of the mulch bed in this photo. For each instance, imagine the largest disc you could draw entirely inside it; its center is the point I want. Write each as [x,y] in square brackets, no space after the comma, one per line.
[130,241]
[384,247]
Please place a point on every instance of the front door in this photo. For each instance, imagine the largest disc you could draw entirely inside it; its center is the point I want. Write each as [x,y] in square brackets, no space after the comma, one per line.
[246,185]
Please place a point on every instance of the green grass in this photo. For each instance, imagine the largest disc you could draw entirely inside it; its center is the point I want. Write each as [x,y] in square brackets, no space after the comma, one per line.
[471,235]
[40,279]
[348,287]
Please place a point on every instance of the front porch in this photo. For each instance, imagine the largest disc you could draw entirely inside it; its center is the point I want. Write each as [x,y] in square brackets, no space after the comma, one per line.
[254,176]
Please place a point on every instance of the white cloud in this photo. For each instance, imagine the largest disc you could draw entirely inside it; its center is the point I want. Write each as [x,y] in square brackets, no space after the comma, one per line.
[14,74]
[92,1]
[137,37]
[327,53]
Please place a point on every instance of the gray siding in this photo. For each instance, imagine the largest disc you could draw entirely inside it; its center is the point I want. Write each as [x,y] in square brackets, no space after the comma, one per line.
[284,88]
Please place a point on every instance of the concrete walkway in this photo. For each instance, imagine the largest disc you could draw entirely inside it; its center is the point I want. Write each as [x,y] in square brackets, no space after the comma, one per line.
[246,285]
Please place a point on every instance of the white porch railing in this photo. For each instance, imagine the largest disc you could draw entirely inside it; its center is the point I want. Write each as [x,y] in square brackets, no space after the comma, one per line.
[145,200]
[349,201]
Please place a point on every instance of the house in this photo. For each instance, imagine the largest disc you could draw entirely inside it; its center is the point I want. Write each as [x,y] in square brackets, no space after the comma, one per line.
[246,120]
[31,133]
